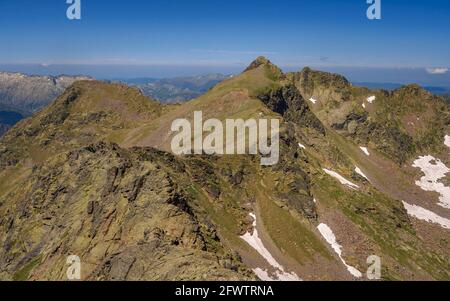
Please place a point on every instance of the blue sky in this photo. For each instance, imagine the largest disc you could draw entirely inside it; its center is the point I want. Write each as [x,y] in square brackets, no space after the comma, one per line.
[208,33]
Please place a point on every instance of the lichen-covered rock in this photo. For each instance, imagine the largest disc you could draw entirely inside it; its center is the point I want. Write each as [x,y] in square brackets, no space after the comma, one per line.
[116,210]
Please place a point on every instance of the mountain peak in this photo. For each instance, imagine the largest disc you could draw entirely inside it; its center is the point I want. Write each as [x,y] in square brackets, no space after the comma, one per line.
[259,61]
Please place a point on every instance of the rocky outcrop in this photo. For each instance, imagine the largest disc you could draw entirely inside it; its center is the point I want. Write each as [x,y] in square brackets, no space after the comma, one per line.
[289,103]
[324,85]
[120,211]
[400,124]
[260,61]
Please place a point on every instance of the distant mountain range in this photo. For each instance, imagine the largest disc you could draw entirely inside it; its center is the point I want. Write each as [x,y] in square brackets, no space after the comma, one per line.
[178,89]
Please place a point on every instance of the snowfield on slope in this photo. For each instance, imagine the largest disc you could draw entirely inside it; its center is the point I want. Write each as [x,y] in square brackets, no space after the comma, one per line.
[371,99]
[359,172]
[301,146]
[341,179]
[426,215]
[313,100]
[256,243]
[329,236]
[263,274]
[434,171]
[365,150]
[447,140]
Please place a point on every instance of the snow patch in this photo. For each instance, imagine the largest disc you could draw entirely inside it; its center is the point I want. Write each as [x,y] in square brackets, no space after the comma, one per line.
[313,100]
[371,99]
[329,236]
[315,201]
[447,140]
[256,243]
[279,276]
[426,215]
[301,146]
[365,150]
[359,172]
[263,275]
[434,170]
[284,276]
[341,179]
[364,105]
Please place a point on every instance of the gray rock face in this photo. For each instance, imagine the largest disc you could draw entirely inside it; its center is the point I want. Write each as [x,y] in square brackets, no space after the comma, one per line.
[289,103]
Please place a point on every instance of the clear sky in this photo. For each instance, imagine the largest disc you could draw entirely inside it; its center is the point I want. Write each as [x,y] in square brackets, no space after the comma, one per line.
[412,33]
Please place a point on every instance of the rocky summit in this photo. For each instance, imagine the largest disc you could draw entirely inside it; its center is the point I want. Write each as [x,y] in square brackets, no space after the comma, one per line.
[359,193]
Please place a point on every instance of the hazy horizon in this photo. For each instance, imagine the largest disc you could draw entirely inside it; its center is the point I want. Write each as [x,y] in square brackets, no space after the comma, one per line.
[374,75]
[223,36]
[165,39]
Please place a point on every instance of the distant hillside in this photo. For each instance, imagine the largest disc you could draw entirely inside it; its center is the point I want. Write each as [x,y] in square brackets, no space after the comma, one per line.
[179,89]
[31,93]
[22,95]
[394,86]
